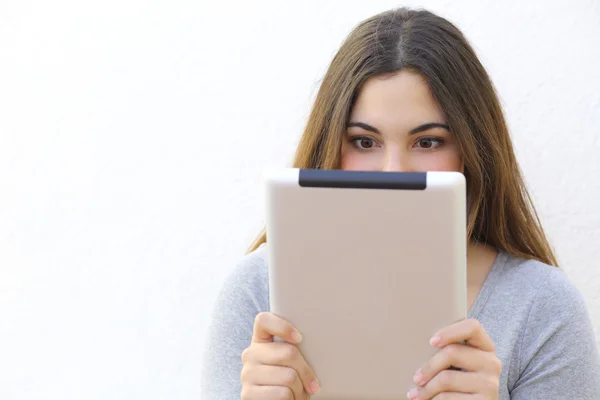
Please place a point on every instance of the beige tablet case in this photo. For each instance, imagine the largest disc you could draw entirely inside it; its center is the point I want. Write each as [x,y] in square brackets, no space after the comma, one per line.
[368,266]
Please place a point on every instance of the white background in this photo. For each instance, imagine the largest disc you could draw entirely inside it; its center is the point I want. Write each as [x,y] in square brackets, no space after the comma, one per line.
[133,135]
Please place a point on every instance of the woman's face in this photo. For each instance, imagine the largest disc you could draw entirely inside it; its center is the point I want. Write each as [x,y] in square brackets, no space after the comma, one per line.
[396,125]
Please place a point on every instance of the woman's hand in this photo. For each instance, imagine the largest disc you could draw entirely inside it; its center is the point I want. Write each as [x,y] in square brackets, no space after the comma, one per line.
[275,370]
[466,367]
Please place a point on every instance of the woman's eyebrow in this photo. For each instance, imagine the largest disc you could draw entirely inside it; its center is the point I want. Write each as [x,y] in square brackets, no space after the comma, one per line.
[364,126]
[426,127]
[418,129]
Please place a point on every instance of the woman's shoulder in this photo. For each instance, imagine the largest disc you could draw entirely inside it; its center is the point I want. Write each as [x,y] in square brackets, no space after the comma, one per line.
[244,294]
[248,281]
[539,281]
[252,267]
[533,311]
[526,300]
[531,302]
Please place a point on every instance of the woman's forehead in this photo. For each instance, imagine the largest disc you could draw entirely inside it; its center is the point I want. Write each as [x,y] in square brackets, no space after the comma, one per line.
[400,99]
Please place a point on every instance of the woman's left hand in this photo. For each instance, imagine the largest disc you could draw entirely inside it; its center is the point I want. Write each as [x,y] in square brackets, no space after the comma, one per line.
[466,367]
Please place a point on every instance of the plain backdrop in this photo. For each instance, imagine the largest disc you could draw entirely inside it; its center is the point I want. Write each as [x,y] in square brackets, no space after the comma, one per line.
[133,136]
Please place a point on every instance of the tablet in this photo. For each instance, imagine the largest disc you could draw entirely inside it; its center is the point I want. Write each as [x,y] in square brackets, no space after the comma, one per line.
[368,266]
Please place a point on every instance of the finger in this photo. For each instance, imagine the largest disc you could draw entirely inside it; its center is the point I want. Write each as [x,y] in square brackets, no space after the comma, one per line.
[272,375]
[456,356]
[252,392]
[447,381]
[283,355]
[267,325]
[469,331]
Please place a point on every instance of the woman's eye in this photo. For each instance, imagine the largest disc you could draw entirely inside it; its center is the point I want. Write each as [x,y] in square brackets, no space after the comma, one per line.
[429,143]
[364,143]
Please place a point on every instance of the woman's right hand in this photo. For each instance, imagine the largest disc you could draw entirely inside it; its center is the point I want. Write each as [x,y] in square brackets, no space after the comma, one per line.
[275,370]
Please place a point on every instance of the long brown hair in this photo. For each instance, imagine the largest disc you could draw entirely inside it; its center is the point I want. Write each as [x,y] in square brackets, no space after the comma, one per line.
[501,212]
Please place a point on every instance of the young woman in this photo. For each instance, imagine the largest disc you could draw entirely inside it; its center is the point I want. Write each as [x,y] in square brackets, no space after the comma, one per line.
[406,92]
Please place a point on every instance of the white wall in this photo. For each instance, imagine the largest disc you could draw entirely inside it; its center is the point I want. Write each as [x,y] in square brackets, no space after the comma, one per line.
[132,139]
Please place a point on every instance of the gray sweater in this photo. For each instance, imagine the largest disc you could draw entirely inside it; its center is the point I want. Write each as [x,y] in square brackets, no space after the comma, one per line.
[535,316]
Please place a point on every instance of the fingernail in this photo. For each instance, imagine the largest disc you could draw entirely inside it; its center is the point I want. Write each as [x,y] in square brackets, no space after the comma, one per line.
[296,337]
[314,387]
[435,341]
[418,378]
[413,394]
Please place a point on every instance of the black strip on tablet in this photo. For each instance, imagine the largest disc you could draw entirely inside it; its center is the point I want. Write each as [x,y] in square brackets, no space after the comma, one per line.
[363,179]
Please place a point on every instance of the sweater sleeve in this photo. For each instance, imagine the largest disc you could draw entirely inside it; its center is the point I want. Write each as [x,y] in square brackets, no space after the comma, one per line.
[243,295]
[558,353]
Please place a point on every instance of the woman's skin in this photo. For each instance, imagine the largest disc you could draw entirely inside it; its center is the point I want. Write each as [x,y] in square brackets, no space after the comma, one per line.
[395,125]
